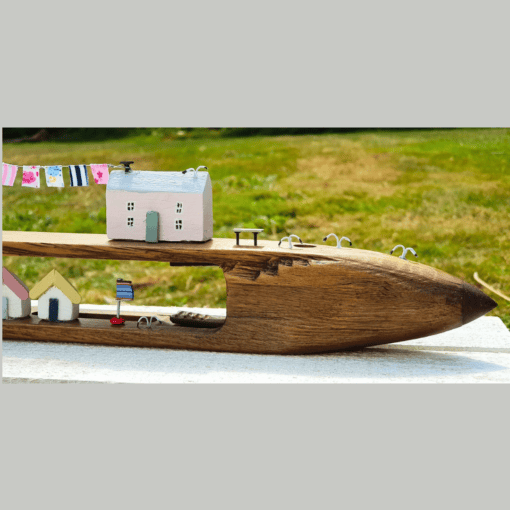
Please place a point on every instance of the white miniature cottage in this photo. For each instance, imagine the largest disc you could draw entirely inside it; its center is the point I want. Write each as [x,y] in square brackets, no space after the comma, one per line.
[15,296]
[159,206]
[58,300]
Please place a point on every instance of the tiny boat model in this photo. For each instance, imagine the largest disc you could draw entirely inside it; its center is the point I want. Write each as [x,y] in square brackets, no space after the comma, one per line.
[197,320]
[280,300]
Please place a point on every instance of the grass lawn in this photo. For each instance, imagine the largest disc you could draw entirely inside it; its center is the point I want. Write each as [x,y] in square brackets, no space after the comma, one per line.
[446,193]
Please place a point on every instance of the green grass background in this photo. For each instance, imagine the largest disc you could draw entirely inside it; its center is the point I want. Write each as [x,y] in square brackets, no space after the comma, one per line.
[445,193]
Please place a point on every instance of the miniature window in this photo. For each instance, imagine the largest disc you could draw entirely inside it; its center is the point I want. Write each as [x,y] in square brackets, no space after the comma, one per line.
[130,222]
[178,209]
[178,224]
[130,206]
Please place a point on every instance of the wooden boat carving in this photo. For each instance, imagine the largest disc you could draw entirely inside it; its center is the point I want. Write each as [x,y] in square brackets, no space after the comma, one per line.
[307,299]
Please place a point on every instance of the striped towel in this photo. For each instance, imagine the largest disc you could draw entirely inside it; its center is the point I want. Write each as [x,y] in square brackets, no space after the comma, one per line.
[8,174]
[125,290]
[100,173]
[78,174]
[54,177]
[31,177]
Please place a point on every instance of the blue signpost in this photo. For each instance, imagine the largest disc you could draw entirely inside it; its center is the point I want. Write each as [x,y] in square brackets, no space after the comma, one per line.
[124,293]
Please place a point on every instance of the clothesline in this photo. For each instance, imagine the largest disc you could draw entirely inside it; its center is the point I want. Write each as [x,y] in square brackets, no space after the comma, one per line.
[49,166]
[78,174]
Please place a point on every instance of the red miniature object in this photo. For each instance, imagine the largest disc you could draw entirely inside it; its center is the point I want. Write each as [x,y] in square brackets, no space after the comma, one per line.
[117,320]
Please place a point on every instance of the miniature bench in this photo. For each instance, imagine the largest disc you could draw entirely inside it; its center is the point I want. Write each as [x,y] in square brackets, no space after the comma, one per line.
[254,231]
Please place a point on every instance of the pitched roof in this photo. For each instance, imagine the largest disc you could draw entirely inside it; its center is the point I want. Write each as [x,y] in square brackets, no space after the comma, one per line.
[55,279]
[148,181]
[14,283]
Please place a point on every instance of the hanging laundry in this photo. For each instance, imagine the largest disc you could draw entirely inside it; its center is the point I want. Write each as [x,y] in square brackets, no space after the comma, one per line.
[78,174]
[100,173]
[8,174]
[54,177]
[31,177]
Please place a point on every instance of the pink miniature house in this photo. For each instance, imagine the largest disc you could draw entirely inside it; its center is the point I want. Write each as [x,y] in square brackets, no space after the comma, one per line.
[15,296]
[159,206]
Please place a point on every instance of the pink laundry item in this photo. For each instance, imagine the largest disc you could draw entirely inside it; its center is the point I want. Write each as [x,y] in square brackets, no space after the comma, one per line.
[100,173]
[31,177]
[8,174]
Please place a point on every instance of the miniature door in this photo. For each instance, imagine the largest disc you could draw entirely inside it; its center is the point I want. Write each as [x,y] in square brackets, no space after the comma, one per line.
[151,227]
[53,313]
[5,304]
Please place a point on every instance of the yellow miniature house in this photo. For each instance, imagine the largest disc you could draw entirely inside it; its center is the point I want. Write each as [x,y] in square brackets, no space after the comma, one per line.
[57,299]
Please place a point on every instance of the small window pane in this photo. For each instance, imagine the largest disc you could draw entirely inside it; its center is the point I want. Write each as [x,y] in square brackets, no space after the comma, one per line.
[178,224]
[130,222]
[178,208]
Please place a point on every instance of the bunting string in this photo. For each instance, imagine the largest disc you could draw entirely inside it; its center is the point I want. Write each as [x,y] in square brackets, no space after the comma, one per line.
[78,174]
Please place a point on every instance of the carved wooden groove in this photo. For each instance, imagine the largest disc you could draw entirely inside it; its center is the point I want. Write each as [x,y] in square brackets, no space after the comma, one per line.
[279,300]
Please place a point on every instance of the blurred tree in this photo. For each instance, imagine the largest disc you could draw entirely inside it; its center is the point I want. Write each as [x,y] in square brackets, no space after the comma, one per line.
[10,135]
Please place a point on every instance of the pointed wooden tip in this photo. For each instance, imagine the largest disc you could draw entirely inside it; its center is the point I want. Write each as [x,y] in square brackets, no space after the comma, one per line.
[475,303]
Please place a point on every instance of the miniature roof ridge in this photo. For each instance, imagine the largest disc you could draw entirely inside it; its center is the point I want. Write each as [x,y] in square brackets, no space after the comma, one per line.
[55,279]
[14,283]
[144,181]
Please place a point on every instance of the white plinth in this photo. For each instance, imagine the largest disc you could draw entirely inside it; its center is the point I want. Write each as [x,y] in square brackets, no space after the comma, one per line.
[477,352]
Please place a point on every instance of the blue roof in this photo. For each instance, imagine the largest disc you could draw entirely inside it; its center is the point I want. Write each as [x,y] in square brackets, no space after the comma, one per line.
[148,181]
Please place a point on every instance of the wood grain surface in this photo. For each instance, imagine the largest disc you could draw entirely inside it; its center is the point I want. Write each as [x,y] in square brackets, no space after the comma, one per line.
[279,300]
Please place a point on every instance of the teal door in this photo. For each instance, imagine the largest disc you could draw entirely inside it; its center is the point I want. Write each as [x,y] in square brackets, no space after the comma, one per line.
[5,302]
[151,227]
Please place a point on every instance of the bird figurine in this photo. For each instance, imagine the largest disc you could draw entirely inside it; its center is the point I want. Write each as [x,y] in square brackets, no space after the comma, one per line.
[194,170]
[338,241]
[404,251]
[290,240]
